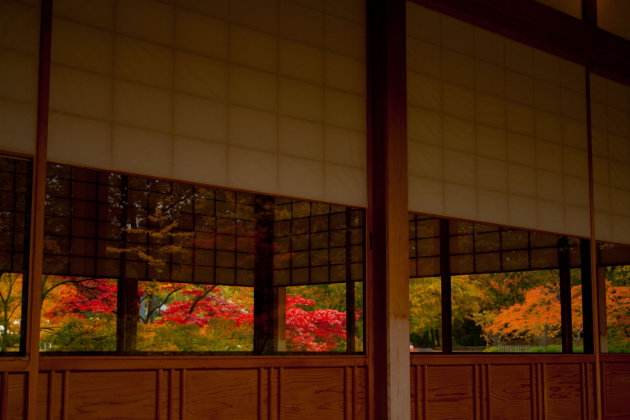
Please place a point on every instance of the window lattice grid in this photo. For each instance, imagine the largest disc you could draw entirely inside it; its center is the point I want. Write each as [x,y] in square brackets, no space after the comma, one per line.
[15,197]
[107,225]
[477,248]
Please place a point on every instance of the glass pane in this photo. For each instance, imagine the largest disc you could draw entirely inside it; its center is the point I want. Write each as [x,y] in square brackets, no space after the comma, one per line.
[425,314]
[78,314]
[577,315]
[15,196]
[613,262]
[504,287]
[193,269]
[316,318]
[192,318]
[507,312]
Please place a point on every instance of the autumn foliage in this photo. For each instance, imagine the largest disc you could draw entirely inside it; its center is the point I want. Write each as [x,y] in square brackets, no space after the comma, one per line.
[80,315]
[514,308]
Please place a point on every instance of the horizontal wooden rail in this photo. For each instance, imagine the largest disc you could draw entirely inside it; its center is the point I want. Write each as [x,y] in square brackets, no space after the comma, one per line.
[111,363]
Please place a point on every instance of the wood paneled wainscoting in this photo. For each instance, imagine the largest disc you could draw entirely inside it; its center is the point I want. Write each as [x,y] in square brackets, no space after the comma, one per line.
[274,388]
[503,387]
[616,386]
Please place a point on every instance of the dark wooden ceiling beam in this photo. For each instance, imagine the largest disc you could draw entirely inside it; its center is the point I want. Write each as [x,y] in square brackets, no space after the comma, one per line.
[545,28]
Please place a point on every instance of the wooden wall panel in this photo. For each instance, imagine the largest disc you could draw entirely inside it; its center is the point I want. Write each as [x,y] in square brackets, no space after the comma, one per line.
[221,394]
[450,390]
[361,396]
[43,397]
[563,389]
[616,383]
[16,396]
[510,392]
[312,394]
[96,395]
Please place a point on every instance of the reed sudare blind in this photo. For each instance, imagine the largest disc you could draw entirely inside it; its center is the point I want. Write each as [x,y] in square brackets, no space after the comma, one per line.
[264,96]
[496,129]
[19,51]
[610,122]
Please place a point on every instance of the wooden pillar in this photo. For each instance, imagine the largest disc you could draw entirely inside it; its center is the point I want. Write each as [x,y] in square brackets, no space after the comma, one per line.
[445,280]
[34,288]
[265,297]
[587,295]
[388,262]
[564,272]
[596,313]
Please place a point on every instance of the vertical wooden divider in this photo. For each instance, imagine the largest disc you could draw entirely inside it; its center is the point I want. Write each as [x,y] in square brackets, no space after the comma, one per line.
[487,390]
[171,394]
[261,395]
[182,394]
[388,265]
[158,396]
[51,395]
[477,395]
[594,278]
[280,396]
[532,392]
[64,394]
[3,395]
[543,388]
[270,394]
[425,392]
[583,390]
[37,212]
[355,391]
[418,398]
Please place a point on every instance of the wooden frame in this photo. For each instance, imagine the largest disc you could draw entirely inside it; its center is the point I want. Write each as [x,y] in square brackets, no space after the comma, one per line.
[387,357]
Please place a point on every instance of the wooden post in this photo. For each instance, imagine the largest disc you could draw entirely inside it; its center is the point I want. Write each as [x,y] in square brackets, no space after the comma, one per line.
[388,262]
[280,297]
[596,311]
[34,287]
[265,297]
[587,295]
[564,271]
[445,277]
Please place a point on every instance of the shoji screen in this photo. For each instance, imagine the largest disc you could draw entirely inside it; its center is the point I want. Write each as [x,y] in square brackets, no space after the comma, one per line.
[610,121]
[19,49]
[260,95]
[497,129]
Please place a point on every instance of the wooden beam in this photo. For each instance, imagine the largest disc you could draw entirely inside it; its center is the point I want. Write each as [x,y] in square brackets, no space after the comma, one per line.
[542,27]
[36,255]
[388,262]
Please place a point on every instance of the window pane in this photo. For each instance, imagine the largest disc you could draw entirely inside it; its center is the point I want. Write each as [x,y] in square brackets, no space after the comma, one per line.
[614,272]
[192,318]
[193,268]
[505,287]
[507,312]
[15,192]
[78,314]
[425,314]
[316,318]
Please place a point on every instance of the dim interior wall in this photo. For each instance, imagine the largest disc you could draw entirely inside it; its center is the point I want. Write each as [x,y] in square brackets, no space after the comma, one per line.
[19,49]
[610,121]
[570,7]
[262,96]
[497,129]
